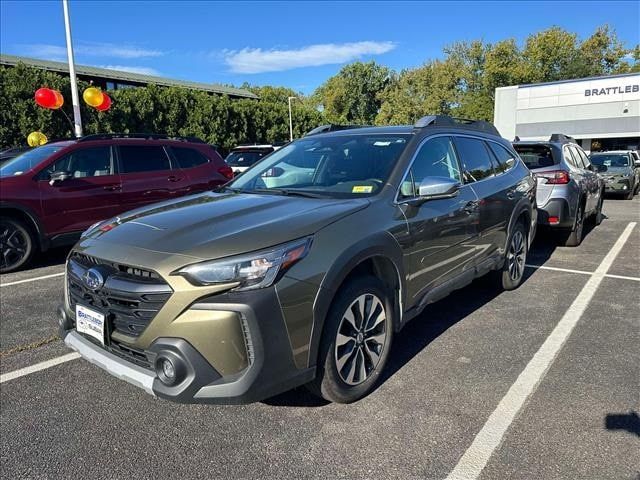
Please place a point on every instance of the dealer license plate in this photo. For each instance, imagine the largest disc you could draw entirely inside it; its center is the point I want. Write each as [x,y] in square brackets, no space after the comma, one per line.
[90,323]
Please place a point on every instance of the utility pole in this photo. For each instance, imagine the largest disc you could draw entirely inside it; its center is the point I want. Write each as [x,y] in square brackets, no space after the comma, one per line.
[290,119]
[77,120]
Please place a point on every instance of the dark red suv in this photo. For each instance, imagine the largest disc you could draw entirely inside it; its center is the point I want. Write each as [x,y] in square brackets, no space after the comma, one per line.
[50,194]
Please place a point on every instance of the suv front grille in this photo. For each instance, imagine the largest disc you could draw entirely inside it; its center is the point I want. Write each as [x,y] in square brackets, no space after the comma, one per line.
[130,297]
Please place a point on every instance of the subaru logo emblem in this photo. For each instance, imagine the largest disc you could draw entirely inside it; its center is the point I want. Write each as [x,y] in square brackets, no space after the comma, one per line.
[93,279]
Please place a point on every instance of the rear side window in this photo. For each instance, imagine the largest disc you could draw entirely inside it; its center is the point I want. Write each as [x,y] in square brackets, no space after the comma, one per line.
[505,158]
[188,157]
[572,157]
[475,159]
[143,159]
[583,156]
[87,162]
[536,156]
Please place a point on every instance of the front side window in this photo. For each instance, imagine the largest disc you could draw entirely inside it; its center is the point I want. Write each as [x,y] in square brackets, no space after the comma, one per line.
[188,157]
[435,158]
[475,159]
[88,162]
[135,159]
[335,166]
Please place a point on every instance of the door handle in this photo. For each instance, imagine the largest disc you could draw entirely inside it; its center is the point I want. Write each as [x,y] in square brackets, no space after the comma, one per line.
[511,193]
[173,178]
[112,188]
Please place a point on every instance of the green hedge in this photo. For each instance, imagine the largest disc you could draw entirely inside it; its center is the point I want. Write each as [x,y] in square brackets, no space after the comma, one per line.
[169,110]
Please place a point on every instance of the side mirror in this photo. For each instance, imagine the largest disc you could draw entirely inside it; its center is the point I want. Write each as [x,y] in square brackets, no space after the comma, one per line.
[60,176]
[636,164]
[433,188]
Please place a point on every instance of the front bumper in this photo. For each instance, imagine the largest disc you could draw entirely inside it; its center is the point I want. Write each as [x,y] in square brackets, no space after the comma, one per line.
[617,185]
[270,365]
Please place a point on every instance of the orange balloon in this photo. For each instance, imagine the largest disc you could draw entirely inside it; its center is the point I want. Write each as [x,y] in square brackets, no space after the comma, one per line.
[59,100]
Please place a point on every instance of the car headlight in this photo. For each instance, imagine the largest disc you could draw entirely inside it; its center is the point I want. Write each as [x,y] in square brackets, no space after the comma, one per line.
[250,271]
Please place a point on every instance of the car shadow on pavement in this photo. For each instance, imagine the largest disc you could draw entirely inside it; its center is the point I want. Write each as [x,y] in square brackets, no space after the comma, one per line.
[55,256]
[623,421]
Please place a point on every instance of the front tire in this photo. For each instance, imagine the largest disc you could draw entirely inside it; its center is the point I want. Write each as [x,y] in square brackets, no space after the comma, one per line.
[515,258]
[356,340]
[17,245]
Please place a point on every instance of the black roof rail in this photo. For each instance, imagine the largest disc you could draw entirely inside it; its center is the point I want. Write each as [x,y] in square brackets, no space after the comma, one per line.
[331,128]
[447,121]
[144,136]
[561,137]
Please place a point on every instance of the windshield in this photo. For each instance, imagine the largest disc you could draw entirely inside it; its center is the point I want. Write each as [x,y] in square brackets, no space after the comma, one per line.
[611,160]
[245,158]
[336,166]
[28,160]
[536,156]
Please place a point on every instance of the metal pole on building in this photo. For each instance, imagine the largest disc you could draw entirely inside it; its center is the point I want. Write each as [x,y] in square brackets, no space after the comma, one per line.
[77,121]
[290,119]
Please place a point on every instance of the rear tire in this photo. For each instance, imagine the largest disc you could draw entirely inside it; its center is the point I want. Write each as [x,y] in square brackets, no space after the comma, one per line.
[575,236]
[597,217]
[356,341]
[17,245]
[515,258]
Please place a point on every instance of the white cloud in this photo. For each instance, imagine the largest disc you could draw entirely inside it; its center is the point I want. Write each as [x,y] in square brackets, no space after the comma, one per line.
[89,49]
[256,60]
[140,70]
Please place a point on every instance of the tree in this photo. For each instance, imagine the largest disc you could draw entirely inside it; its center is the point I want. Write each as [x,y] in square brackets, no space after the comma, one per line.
[353,95]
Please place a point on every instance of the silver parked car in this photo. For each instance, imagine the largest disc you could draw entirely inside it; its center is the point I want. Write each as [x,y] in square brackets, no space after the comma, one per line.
[570,190]
[620,170]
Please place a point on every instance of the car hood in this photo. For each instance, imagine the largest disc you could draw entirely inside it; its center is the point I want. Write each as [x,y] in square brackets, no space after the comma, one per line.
[215,225]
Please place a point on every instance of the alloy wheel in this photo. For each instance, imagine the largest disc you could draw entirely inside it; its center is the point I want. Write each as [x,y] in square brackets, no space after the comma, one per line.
[361,339]
[516,256]
[13,246]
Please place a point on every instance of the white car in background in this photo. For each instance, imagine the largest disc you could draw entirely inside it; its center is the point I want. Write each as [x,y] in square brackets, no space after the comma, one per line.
[244,156]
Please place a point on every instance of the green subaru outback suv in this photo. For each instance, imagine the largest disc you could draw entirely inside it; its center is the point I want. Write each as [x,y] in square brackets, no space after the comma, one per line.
[236,295]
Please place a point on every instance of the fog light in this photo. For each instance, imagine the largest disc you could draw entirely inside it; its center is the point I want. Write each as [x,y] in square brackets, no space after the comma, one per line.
[624,187]
[168,369]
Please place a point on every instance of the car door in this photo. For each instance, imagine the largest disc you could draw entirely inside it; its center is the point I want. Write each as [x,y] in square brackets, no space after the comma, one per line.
[196,168]
[91,194]
[441,232]
[147,175]
[493,194]
[591,179]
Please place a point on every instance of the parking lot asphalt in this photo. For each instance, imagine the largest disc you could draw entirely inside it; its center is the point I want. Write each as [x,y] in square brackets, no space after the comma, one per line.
[449,370]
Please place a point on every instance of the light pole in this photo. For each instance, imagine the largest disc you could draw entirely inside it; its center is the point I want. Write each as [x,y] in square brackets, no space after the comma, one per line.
[77,121]
[290,119]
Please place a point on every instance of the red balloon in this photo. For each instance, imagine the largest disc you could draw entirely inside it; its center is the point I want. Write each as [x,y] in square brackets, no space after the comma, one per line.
[46,98]
[106,103]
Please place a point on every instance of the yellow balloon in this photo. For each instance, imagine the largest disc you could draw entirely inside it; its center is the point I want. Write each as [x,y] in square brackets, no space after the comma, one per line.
[93,97]
[36,139]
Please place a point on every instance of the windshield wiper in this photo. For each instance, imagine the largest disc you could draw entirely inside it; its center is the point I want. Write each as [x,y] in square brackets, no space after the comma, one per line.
[288,193]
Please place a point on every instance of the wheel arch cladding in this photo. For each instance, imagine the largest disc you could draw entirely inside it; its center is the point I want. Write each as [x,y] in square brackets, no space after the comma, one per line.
[29,219]
[378,255]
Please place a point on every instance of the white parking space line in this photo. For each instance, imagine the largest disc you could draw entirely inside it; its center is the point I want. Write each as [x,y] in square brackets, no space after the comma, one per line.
[581,272]
[623,277]
[489,438]
[38,367]
[27,280]
[556,269]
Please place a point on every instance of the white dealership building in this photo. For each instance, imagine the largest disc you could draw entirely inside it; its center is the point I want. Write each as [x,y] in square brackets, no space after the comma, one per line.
[601,113]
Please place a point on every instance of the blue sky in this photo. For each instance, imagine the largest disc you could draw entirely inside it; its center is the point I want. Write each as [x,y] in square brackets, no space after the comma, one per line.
[295,44]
